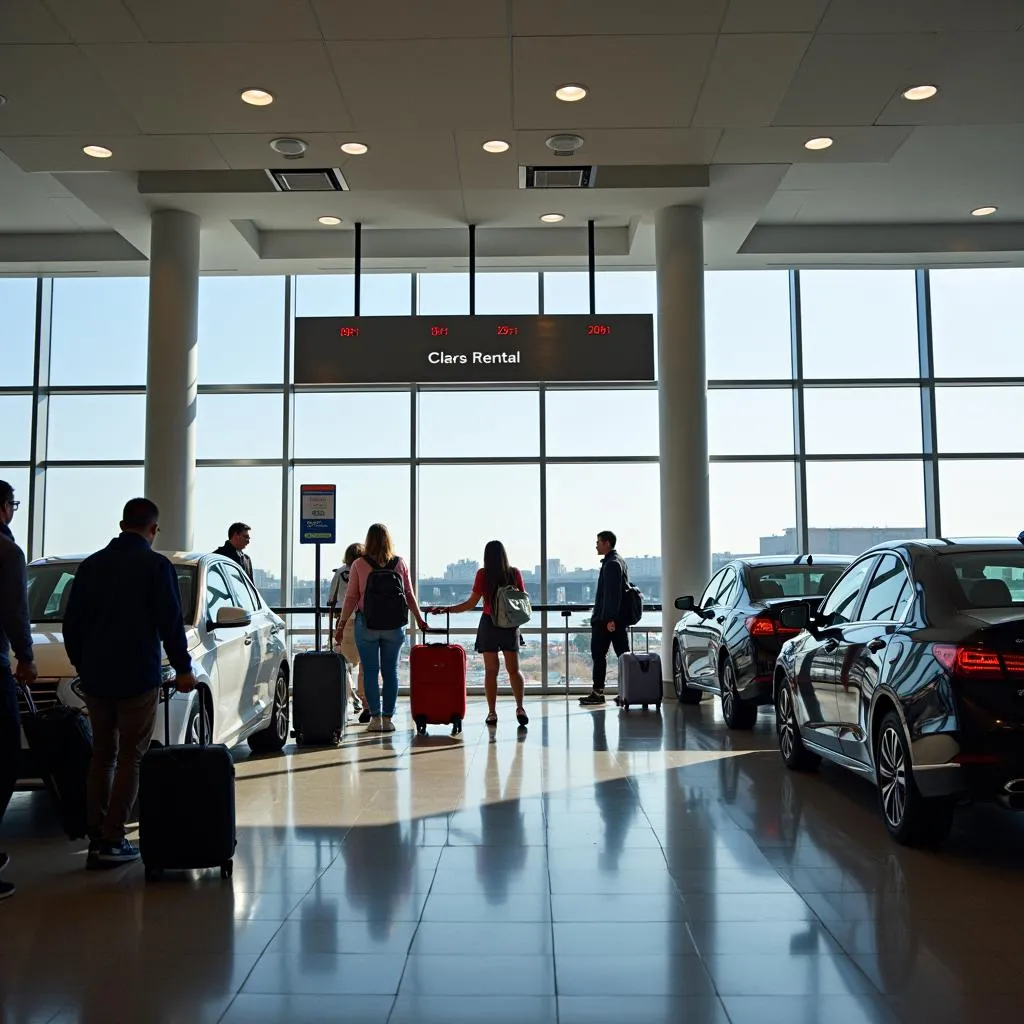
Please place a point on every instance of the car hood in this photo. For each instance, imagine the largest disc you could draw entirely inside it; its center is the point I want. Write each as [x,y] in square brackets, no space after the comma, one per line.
[52,660]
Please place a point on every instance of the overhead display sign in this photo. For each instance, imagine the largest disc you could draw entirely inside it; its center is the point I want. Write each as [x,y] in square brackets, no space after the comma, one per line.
[474,349]
[317,512]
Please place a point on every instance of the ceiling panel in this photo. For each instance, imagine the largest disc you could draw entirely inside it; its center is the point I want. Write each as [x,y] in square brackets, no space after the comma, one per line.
[243,151]
[98,21]
[786,145]
[608,17]
[634,81]
[200,21]
[410,162]
[411,19]
[777,16]
[28,21]
[627,146]
[131,153]
[455,83]
[922,16]
[748,77]
[480,170]
[52,90]
[182,88]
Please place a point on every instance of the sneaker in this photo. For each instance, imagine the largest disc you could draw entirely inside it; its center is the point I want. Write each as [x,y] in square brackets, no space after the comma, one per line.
[376,724]
[112,854]
[4,860]
[92,858]
[592,699]
[6,889]
[387,725]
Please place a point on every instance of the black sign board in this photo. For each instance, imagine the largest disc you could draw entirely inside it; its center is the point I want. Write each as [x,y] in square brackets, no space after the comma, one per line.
[473,349]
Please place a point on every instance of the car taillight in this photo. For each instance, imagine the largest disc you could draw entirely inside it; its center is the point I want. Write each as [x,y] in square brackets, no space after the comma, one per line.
[977,662]
[763,626]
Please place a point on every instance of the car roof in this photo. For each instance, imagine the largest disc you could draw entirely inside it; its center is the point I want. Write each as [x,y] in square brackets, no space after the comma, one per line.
[944,545]
[763,561]
[176,557]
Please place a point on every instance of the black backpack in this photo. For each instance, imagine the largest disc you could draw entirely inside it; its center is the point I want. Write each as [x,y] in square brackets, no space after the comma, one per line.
[384,604]
[632,604]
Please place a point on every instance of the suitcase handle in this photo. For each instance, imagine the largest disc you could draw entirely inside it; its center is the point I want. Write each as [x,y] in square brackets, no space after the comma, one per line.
[647,638]
[26,692]
[168,693]
[447,628]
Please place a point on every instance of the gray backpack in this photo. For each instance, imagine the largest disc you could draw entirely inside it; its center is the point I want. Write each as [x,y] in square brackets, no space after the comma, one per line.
[510,607]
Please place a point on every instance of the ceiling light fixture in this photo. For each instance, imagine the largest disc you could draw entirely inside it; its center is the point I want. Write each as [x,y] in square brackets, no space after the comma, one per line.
[496,146]
[257,97]
[329,222]
[99,152]
[823,142]
[354,148]
[920,92]
[984,211]
[571,93]
[552,218]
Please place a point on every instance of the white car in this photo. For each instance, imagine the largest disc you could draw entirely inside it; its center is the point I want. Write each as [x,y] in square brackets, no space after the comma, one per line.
[238,648]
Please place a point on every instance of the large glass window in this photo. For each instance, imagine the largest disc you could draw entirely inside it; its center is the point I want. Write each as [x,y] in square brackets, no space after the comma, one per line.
[859,323]
[622,421]
[751,421]
[17,477]
[385,294]
[18,315]
[747,325]
[566,292]
[753,509]
[982,497]
[862,421]
[95,427]
[866,501]
[239,427]
[84,506]
[352,425]
[506,293]
[478,424]
[241,330]
[324,295]
[989,419]
[16,433]
[446,294]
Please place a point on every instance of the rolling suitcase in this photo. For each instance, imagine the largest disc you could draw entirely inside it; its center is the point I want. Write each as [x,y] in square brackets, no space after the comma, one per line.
[640,680]
[60,739]
[186,804]
[319,699]
[437,684]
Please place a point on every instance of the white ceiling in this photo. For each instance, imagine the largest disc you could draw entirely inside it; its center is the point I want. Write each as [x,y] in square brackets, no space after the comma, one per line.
[736,86]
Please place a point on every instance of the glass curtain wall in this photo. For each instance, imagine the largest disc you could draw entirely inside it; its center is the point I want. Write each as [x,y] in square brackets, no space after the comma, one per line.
[844,406]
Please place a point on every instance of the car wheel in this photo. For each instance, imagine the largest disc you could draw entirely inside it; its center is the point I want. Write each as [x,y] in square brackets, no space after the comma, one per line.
[192,728]
[685,693]
[738,714]
[910,818]
[273,738]
[791,746]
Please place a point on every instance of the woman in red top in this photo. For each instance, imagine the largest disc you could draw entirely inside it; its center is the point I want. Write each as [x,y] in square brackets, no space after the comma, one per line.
[489,638]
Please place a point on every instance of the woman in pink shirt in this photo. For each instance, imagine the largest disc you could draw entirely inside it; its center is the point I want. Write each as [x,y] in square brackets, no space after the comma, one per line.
[381,607]
[490,639]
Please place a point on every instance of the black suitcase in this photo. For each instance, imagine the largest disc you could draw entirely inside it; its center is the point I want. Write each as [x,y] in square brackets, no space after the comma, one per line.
[60,739]
[319,699]
[186,805]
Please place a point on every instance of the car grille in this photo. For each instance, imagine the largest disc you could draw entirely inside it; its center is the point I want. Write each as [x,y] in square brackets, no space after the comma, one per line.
[44,695]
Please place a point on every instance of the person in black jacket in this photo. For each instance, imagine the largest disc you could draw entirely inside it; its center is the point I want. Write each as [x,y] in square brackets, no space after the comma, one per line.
[234,547]
[607,624]
[16,636]
[124,603]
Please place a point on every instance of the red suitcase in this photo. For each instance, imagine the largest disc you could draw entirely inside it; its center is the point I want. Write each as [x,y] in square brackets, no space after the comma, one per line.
[437,684]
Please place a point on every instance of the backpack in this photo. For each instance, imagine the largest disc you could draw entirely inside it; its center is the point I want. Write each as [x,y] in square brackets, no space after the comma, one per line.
[632,604]
[510,607]
[384,604]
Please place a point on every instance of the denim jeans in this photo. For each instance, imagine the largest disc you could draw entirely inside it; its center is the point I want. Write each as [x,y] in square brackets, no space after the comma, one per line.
[10,737]
[379,650]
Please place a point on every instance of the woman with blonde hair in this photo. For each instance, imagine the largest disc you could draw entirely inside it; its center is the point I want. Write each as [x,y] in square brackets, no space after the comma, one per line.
[380,596]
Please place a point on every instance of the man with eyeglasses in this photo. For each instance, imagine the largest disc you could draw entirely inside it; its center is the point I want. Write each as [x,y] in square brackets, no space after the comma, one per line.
[234,547]
[16,637]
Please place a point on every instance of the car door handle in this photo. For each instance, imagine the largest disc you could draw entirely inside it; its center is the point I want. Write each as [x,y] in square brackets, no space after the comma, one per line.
[829,646]
[875,645]
[721,618]
[248,641]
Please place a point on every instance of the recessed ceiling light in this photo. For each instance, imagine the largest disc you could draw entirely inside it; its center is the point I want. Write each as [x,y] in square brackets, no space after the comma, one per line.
[329,222]
[257,97]
[820,143]
[920,92]
[571,93]
[984,211]
[99,152]
[354,148]
[552,218]
[496,146]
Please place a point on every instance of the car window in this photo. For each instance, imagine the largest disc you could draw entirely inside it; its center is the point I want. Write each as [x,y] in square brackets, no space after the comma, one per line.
[767,581]
[888,593]
[218,593]
[727,591]
[985,579]
[708,597]
[240,588]
[842,602]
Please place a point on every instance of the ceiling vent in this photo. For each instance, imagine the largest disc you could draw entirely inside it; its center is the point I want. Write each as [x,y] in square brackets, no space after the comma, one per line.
[564,144]
[329,180]
[557,177]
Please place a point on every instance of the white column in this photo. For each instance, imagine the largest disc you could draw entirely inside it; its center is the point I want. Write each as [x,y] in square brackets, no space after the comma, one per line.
[682,412]
[171,374]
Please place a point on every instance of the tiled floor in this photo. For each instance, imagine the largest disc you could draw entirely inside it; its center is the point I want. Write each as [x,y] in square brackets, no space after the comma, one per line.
[604,867]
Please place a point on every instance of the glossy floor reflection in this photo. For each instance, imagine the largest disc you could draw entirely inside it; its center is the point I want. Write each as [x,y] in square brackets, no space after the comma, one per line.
[606,866]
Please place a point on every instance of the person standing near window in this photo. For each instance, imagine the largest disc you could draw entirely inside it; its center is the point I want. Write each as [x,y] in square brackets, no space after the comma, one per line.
[380,595]
[490,639]
[607,625]
[347,647]
[234,547]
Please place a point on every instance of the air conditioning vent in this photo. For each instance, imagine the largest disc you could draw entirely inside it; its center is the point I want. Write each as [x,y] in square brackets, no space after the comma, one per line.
[329,180]
[557,177]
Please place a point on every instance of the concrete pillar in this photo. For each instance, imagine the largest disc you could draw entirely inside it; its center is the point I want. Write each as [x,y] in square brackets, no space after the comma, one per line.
[682,412]
[171,374]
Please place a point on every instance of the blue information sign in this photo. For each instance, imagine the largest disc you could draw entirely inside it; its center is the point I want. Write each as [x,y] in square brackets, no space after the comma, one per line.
[317,511]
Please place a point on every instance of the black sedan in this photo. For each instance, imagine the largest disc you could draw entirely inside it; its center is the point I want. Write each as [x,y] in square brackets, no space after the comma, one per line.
[911,673]
[727,642]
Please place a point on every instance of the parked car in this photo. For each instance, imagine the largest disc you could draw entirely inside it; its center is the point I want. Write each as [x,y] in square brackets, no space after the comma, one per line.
[237,645]
[911,673]
[727,641]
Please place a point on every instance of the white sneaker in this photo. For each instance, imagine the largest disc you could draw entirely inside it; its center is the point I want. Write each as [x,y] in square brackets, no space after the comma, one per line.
[387,724]
[376,724]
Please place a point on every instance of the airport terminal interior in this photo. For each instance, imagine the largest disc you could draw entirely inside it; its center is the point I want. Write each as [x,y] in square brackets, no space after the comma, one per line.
[739,281]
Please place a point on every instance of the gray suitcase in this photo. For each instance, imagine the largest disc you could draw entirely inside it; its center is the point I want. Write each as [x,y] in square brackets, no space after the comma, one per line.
[639,680]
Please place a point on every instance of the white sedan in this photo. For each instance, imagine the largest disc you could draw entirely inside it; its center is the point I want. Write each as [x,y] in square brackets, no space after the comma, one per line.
[236,642]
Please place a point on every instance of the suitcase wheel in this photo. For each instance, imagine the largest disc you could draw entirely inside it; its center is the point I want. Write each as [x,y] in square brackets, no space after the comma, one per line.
[228,869]
[456,725]
[298,738]
[625,707]
[336,737]
[154,874]
[421,724]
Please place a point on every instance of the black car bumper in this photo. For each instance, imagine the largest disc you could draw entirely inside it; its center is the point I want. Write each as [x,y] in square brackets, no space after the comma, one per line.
[757,690]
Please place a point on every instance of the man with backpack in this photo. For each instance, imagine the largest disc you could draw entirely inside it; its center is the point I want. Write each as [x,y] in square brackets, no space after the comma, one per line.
[608,624]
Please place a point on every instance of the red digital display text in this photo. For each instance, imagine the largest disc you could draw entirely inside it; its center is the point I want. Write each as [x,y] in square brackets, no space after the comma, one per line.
[348,332]
[507,331]
[598,329]
[437,331]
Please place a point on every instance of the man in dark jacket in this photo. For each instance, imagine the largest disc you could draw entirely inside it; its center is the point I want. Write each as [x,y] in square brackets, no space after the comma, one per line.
[607,624]
[234,547]
[16,637]
[124,603]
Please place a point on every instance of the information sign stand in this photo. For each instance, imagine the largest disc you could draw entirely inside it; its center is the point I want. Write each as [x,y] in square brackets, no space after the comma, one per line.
[318,515]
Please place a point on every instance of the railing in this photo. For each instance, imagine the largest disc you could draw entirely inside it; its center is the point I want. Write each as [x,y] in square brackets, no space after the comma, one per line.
[554,658]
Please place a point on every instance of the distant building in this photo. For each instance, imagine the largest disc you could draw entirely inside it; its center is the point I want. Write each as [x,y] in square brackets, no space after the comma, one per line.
[838,540]
[463,569]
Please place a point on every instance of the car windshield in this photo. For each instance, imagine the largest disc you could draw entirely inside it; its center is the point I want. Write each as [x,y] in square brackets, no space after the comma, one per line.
[986,579]
[49,587]
[767,581]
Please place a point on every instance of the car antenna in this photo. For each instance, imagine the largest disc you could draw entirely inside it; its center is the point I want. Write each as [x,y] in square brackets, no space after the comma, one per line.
[810,559]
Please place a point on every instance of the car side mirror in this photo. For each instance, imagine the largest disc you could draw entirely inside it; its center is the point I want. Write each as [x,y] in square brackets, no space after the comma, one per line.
[795,616]
[685,604]
[232,618]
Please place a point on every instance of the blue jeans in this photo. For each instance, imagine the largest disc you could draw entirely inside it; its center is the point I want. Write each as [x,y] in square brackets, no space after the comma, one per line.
[379,650]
